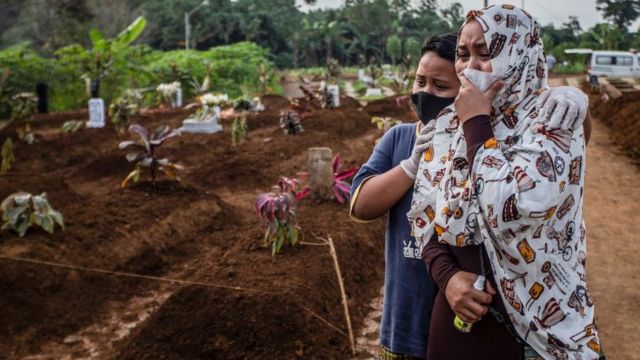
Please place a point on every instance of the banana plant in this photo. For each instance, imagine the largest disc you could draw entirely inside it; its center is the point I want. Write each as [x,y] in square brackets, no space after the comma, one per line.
[105,52]
[143,152]
[22,210]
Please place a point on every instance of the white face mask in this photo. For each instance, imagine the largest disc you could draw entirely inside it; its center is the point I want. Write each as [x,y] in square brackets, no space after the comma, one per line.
[482,80]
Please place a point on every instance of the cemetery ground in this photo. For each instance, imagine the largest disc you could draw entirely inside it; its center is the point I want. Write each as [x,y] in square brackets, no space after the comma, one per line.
[239,302]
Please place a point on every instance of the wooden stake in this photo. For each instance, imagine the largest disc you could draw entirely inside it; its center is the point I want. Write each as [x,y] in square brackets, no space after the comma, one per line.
[334,255]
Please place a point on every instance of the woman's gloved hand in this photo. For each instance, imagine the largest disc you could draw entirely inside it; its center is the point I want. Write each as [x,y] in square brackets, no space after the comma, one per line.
[410,165]
[564,107]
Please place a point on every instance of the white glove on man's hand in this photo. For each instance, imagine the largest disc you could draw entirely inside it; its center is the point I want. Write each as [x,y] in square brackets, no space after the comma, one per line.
[564,107]
[410,165]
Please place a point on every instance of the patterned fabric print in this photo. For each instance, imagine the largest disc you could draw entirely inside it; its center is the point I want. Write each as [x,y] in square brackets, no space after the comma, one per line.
[522,198]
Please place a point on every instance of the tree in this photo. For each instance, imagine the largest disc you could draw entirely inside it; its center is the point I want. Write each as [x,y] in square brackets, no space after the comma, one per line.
[620,12]
[394,48]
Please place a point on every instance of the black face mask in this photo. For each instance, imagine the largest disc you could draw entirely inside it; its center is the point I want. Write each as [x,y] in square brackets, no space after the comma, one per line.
[428,106]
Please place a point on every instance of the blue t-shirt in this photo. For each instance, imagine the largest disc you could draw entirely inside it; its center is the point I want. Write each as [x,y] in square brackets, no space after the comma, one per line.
[409,291]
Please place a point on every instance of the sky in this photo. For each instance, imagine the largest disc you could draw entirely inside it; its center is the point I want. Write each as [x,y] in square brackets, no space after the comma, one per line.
[546,11]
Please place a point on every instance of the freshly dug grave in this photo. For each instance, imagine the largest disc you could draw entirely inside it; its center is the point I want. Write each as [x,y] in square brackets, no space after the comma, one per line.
[622,116]
[203,229]
[389,107]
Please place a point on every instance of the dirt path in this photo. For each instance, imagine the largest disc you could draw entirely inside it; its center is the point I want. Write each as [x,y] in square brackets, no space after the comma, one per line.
[612,214]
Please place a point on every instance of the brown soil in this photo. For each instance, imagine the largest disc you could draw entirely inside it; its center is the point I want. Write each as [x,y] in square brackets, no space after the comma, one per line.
[203,229]
[389,107]
[622,116]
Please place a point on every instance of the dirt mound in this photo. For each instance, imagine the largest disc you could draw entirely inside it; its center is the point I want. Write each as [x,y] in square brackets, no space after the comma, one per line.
[220,323]
[622,115]
[349,102]
[388,107]
[338,121]
[204,229]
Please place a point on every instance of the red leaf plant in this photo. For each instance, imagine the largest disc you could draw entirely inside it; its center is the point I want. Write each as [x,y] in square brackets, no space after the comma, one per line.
[341,187]
[278,209]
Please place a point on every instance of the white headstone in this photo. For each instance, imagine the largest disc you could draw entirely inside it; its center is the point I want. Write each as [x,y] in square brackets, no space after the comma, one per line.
[373,92]
[176,101]
[334,91]
[207,126]
[96,113]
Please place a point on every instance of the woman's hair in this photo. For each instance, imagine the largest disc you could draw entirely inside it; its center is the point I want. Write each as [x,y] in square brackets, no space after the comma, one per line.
[444,45]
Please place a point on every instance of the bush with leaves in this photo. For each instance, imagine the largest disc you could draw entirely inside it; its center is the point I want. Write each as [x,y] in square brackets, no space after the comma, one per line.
[143,152]
[22,210]
[290,122]
[7,156]
[278,209]
[239,130]
[341,188]
[24,106]
[123,108]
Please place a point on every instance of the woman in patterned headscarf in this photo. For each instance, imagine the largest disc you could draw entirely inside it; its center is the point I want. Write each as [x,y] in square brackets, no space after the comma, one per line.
[508,198]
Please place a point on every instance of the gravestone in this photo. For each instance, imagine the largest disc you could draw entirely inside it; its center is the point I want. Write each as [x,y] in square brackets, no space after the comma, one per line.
[208,125]
[373,92]
[96,113]
[320,170]
[334,92]
[176,99]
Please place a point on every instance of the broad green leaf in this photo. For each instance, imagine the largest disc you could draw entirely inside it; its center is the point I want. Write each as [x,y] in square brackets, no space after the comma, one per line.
[97,40]
[130,34]
[22,226]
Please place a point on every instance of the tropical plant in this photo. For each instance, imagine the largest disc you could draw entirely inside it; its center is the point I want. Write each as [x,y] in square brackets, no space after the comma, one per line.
[266,76]
[239,130]
[22,210]
[332,70]
[204,86]
[143,152]
[341,188]
[106,52]
[123,108]
[23,106]
[290,122]
[72,126]
[278,209]
[7,156]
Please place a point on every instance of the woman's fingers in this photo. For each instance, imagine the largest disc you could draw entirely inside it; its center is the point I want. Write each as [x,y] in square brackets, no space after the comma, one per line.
[492,91]
[558,114]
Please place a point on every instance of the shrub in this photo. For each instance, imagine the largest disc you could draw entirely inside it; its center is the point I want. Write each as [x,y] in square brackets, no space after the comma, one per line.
[22,210]
[23,106]
[144,153]
[123,108]
[278,209]
[239,130]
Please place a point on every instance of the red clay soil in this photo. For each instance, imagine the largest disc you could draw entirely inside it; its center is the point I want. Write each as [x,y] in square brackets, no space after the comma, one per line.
[203,229]
[622,116]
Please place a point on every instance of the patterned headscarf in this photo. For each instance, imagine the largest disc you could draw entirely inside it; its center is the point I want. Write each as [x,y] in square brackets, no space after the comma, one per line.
[521,198]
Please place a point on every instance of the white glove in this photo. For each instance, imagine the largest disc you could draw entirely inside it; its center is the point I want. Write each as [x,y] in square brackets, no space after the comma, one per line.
[410,165]
[564,107]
